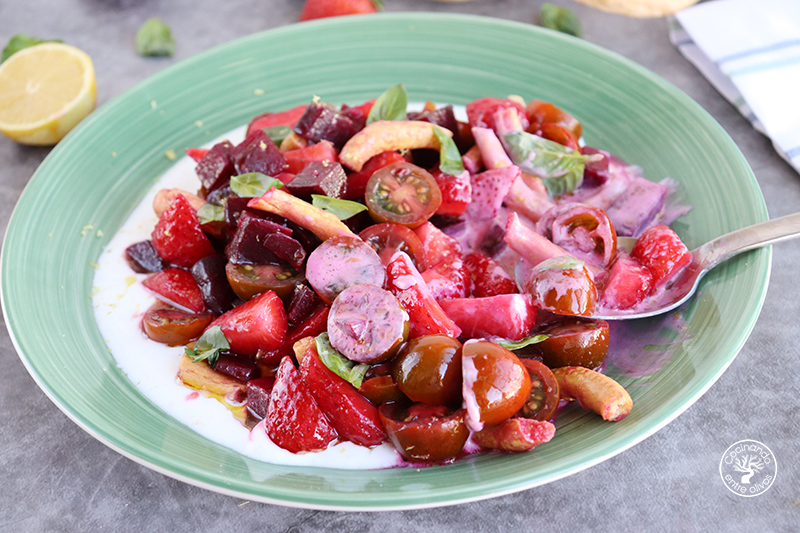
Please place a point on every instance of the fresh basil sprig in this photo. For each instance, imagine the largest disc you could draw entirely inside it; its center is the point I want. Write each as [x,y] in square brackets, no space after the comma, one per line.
[449,157]
[20,42]
[253,184]
[155,38]
[209,212]
[340,365]
[208,346]
[278,133]
[391,105]
[341,209]
[522,343]
[560,168]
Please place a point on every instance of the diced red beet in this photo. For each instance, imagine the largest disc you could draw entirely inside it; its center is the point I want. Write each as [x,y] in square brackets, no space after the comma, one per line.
[635,209]
[319,177]
[286,248]
[509,316]
[247,245]
[241,367]
[488,278]
[257,153]
[142,257]
[196,153]
[322,122]
[456,192]
[353,416]
[257,324]
[442,116]
[176,287]
[294,420]
[299,158]
[235,206]
[595,172]
[281,118]
[216,168]
[358,114]
[209,273]
[357,181]
[304,301]
[258,393]
[177,236]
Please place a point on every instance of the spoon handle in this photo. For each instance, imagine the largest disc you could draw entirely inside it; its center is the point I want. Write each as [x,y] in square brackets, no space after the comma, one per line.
[749,238]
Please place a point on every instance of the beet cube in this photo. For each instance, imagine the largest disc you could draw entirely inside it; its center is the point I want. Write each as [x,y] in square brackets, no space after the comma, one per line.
[235,206]
[304,237]
[209,273]
[216,168]
[304,301]
[142,257]
[258,393]
[286,248]
[442,116]
[257,153]
[322,122]
[247,245]
[595,173]
[319,177]
[237,366]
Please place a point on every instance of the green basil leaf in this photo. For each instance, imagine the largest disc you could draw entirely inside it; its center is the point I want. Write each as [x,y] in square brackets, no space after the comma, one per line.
[449,156]
[340,365]
[209,212]
[20,42]
[560,168]
[391,105]
[278,133]
[527,341]
[155,38]
[208,346]
[378,4]
[253,184]
[341,209]
[560,19]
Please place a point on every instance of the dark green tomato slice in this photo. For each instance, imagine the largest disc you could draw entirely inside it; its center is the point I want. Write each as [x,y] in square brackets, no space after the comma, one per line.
[402,193]
[168,325]
[250,280]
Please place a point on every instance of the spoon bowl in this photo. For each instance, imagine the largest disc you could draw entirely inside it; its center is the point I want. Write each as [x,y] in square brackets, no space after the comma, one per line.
[704,258]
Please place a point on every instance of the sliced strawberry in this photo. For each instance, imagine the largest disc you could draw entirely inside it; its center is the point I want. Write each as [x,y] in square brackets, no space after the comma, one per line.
[178,288]
[257,324]
[508,316]
[488,278]
[627,284]
[449,279]
[662,252]
[317,9]
[196,153]
[270,120]
[489,189]
[481,112]
[426,316]
[177,236]
[353,416]
[313,325]
[357,181]
[298,159]
[456,193]
[294,420]
[437,245]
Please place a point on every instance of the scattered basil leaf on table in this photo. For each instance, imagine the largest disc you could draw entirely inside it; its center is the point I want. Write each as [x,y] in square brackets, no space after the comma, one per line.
[391,105]
[208,346]
[340,365]
[449,156]
[341,209]
[20,42]
[155,38]
[253,184]
[561,19]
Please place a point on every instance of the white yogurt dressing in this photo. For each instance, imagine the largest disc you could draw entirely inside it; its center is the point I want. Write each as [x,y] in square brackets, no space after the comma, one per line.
[120,302]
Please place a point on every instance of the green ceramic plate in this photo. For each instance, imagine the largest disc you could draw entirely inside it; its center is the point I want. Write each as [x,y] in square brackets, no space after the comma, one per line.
[100,171]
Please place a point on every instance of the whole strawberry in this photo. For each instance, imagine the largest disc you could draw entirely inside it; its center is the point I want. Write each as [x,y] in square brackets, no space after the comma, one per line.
[317,9]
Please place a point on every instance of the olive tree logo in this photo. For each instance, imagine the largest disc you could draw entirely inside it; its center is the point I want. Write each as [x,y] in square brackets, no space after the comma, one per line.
[748,468]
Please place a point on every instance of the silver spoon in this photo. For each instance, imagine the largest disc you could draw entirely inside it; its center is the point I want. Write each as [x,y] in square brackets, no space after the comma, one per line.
[704,258]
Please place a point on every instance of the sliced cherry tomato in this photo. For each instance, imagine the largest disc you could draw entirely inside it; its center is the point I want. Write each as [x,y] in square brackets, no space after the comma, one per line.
[496,384]
[402,193]
[562,285]
[428,370]
[167,325]
[425,433]
[584,231]
[543,400]
[574,342]
[249,280]
[544,112]
[380,390]
[387,239]
[558,134]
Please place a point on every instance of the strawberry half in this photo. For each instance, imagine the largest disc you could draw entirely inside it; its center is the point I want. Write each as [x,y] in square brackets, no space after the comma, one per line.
[257,324]
[317,9]
[177,236]
[178,288]
[627,284]
[294,420]
[488,277]
[299,158]
[456,192]
[662,252]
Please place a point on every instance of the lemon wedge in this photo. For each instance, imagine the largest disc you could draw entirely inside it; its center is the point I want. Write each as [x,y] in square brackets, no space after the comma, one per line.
[45,90]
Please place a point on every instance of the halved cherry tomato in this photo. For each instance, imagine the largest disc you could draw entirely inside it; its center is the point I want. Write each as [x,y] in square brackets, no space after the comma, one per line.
[387,239]
[574,342]
[424,432]
[544,112]
[402,193]
[168,325]
[562,285]
[558,134]
[543,400]
[380,390]
[249,280]
[583,230]
[428,370]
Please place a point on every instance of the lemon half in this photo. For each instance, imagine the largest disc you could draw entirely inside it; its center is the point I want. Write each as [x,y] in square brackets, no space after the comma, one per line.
[45,90]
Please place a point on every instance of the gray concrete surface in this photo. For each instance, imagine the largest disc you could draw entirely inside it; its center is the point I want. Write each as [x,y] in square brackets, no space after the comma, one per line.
[55,477]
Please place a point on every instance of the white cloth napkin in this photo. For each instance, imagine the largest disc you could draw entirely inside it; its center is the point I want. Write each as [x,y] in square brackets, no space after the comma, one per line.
[750,51]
